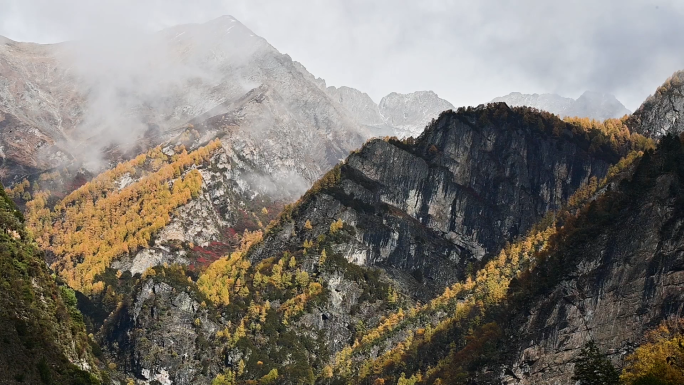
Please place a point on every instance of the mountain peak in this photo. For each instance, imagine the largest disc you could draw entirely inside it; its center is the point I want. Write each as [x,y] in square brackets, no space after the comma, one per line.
[411,112]
[591,104]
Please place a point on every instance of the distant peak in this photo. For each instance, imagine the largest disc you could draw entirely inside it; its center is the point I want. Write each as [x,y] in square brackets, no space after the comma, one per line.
[597,95]
[223,19]
[396,95]
[592,104]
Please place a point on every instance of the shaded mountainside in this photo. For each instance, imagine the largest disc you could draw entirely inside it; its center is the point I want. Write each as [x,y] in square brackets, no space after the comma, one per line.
[608,273]
[612,273]
[661,113]
[593,105]
[42,336]
[474,180]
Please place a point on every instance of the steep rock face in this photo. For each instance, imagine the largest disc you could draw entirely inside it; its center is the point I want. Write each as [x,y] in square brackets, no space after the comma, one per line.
[410,113]
[618,276]
[594,105]
[163,335]
[400,115]
[280,143]
[457,193]
[661,113]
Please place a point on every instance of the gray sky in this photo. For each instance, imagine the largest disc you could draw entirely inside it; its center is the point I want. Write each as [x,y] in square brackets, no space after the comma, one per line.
[467,51]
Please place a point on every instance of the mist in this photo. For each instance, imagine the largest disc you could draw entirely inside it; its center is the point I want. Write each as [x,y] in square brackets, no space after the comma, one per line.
[467,52]
[136,82]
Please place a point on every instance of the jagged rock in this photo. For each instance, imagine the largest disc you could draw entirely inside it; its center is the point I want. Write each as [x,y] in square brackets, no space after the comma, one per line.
[164,336]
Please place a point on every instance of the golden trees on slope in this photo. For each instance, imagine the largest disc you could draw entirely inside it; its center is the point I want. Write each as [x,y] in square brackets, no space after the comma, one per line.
[228,274]
[98,222]
[660,360]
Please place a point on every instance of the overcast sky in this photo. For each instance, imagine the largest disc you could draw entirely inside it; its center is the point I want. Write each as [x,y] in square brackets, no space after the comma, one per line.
[467,51]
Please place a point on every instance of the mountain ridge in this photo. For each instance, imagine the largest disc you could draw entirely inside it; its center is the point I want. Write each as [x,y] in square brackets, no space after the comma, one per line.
[590,104]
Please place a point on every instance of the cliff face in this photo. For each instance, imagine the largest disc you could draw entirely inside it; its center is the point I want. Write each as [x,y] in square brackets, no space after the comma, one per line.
[474,180]
[661,113]
[618,275]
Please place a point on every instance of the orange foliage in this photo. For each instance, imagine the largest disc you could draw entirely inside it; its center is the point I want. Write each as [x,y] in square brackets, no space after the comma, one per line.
[98,222]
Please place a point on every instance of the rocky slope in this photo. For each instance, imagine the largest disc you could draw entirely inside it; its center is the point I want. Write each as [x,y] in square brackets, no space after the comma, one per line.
[39,107]
[592,105]
[661,113]
[618,274]
[420,212]
[474,180]
[42,334]
[607,271]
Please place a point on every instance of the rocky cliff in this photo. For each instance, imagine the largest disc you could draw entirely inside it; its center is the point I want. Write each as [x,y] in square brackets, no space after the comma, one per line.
[606,271]
[594,105]
[661,113]
[616,274]
[400,115]
[474,180]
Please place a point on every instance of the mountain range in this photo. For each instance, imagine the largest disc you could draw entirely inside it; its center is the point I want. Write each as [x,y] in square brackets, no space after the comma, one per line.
[594,105]
[69,103]
[212,213]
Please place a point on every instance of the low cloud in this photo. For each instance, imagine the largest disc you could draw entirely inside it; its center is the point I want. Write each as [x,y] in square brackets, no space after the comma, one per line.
[468,52]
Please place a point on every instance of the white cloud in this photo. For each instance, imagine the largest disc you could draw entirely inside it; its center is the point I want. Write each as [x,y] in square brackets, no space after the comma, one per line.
[468,52]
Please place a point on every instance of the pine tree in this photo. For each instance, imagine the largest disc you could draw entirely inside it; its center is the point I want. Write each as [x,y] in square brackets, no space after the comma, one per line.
[592,368]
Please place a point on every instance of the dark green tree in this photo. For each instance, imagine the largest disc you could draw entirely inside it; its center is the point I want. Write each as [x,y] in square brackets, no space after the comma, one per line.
[592,368]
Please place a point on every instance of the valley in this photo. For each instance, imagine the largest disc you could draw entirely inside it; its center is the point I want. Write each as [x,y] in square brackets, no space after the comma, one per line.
[234,220]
